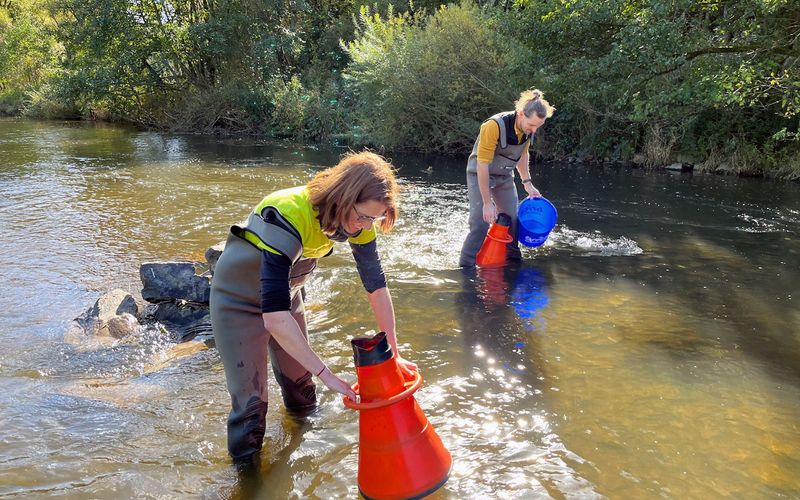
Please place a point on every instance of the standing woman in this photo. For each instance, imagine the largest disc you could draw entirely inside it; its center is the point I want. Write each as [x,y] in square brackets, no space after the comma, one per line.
[257,307]
[502,145]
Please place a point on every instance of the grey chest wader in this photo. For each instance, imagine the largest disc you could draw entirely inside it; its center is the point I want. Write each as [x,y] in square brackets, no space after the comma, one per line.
[244,344]
[502,188]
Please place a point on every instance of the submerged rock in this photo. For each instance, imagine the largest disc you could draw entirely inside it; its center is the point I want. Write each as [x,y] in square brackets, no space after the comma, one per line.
[212,255]
[119,326]
[185,320]
[171,281]
[121,394]
[163,359]
[112,317]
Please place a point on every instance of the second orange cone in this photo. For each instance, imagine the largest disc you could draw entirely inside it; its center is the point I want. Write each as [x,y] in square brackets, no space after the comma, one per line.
[493,249]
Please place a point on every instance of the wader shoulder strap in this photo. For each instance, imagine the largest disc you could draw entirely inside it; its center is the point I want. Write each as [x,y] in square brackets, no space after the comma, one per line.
[274,231]
[502,125]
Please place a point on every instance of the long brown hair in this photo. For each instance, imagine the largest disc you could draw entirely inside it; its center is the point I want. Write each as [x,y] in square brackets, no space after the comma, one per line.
[358,177]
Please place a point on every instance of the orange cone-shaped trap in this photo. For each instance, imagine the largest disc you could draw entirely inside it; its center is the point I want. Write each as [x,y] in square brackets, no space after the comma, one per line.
[400,456]
[493,249]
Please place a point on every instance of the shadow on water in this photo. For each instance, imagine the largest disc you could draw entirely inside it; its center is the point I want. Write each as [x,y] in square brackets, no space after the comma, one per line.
[731,302]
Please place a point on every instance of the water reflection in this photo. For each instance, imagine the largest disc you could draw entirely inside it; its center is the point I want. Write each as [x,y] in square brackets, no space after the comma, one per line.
[491,326]
[260,479]
[502,325]
[529,297]
[514,294]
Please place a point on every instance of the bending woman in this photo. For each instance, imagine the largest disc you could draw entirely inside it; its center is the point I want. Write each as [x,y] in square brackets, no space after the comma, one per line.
[256,295]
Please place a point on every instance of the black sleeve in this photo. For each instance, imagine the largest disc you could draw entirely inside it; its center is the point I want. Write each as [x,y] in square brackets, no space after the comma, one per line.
[275,294]
[368,264]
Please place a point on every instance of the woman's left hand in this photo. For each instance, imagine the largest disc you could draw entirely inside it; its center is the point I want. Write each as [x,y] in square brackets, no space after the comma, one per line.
[532,191]
[407,368]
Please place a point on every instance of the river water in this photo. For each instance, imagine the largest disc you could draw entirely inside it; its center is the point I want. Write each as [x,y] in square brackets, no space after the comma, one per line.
[651,348]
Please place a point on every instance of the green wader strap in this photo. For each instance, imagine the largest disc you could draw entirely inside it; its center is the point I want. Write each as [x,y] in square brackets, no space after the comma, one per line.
[271,234]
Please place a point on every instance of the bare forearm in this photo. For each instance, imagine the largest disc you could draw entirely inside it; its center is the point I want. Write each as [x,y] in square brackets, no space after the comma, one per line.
[287,333]
[523,168]
[381,302]
[483,182]
[525,177]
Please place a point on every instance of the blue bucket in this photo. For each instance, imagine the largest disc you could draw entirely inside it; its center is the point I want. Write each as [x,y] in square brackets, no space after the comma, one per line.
[537,217]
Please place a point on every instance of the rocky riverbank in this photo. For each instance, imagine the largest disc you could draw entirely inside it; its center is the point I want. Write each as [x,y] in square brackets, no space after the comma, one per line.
[174,298]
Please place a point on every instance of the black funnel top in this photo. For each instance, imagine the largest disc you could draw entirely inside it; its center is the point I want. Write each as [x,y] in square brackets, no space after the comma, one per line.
[503,220]
[369,351]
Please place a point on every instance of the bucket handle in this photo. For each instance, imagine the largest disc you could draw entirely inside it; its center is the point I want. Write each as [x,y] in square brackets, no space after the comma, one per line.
[410,388]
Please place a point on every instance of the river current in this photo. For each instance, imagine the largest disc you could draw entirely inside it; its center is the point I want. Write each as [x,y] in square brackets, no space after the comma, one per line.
[651,347]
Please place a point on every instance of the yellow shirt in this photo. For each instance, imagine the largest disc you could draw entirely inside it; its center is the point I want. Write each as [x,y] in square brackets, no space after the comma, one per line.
[489,137]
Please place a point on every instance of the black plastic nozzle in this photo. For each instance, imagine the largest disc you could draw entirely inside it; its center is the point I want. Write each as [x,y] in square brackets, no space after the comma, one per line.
[503,220]
[369,351]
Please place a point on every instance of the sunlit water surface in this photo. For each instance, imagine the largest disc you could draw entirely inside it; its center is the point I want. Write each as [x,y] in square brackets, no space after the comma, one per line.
[651,348]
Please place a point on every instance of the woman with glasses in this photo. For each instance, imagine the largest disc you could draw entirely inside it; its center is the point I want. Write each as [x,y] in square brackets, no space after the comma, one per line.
[257,310]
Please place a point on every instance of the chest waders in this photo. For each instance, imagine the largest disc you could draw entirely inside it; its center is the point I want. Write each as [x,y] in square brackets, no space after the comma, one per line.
[243,343]
[501,186]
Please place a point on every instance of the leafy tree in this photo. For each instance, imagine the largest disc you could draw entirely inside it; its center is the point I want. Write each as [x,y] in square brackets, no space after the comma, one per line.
[712,81]
[27,51]
[426,82]
[196,64]
[713,75]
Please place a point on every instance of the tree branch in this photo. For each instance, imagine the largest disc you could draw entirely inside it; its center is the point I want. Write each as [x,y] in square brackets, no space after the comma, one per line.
[782,50]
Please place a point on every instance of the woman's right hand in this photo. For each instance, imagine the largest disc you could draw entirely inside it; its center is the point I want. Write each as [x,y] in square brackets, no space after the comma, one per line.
[489,213]
[335,383]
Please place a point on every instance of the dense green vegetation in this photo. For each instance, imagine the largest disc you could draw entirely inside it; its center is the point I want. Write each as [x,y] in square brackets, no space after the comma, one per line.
[715,83]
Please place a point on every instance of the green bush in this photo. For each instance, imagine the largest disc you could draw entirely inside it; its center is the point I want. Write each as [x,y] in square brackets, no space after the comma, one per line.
[700,73]
[40,104]
[28,52]
[12,102]
[426,83]
[713,83]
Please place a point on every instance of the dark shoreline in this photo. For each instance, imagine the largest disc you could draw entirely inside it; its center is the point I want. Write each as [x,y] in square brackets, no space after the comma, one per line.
[336,143]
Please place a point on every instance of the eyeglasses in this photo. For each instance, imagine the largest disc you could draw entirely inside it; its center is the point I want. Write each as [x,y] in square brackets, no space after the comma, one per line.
[367,219]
